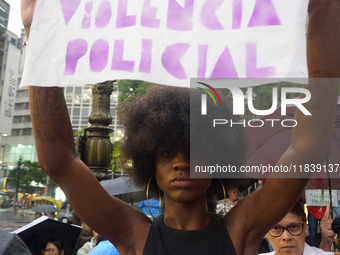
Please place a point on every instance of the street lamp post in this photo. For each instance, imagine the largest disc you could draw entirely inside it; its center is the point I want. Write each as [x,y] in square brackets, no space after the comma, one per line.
[98,147]
[95,147]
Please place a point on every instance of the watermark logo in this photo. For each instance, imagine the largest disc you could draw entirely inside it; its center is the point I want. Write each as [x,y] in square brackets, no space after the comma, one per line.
[204,97]
[239,100]
[242,98]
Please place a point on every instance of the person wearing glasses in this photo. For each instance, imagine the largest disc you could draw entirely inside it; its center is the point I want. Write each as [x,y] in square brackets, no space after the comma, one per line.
[55,246]
[288,236]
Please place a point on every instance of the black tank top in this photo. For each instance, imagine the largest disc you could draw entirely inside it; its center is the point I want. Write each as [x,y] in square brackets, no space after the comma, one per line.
[212,240]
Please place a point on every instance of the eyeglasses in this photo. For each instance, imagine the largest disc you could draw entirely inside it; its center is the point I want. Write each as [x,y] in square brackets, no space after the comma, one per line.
[48,251]
[294,229]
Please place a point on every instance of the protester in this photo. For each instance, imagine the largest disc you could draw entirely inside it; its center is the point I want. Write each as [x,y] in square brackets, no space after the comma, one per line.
[38,215]
[55,246]
[212,203]
[232,199]
[288,236]
[315,214]
[157,147]
[52,216]
[327,233]
[233,196]
[86,234]
[104,247]
[88,246]
[226,205]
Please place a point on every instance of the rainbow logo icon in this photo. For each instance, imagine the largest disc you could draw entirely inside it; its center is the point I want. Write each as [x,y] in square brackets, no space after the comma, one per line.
[209,93]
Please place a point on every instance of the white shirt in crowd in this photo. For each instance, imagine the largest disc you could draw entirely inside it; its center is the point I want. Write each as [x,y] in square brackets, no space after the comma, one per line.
[308,250]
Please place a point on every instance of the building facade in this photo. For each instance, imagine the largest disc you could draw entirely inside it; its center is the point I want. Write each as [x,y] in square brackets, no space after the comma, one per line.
[4,15]
[20,143]
[16,134]
[10,54]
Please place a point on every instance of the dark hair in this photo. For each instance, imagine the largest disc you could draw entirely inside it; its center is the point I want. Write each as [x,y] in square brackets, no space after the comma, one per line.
[299,211]
[38,213]
[100,238]
[161,119]
[59,243]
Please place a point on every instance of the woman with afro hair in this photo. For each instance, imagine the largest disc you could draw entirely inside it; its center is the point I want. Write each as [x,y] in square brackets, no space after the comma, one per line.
[157,148]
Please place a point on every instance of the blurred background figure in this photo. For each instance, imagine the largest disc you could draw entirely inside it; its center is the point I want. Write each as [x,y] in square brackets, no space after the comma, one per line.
[85,236]
[315,214]
[212,203]
[52,216]
[55,246]
[88,246]
[232,197]
[103,247]
[38,215]
[224,206]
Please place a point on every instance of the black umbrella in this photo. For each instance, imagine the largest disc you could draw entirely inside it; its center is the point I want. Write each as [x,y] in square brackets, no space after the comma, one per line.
[120,185]
[36,233]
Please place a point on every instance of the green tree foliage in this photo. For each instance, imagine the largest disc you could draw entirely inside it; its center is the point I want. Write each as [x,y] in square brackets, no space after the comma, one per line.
[128,89]
[28,171]
[115,156]
[79,132]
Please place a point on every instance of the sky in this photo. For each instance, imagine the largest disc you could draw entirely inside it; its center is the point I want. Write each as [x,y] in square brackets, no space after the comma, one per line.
[14,24]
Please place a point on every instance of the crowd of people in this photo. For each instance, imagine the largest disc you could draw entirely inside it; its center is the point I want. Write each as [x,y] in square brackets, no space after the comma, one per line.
[289,236]
[156,154]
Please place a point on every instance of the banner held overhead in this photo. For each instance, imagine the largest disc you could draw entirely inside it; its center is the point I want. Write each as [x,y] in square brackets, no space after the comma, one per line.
[167,42]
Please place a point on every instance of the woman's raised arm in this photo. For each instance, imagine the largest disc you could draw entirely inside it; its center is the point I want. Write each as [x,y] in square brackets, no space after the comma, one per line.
[123,225]
[311,138]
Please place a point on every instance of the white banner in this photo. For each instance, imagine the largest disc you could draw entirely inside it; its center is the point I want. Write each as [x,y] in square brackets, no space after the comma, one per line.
[78,42]
[9,89]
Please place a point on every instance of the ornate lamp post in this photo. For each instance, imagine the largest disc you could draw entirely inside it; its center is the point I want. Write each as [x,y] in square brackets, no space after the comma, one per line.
[98,147]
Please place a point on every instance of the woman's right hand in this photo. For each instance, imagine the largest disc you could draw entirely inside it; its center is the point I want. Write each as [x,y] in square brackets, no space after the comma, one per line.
[27,10]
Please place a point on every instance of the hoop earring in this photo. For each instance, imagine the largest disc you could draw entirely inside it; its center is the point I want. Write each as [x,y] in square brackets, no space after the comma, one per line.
[224,196]
[223,188]
[147,200]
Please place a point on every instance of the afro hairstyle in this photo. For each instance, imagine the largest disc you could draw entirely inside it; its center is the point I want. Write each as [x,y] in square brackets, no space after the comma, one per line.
[161,119]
